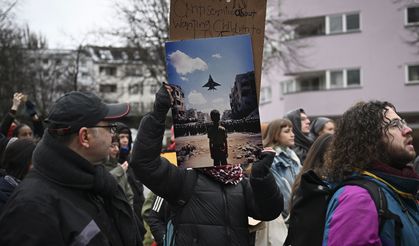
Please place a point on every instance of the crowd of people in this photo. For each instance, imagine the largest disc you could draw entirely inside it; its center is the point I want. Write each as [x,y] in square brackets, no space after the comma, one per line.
[80,180]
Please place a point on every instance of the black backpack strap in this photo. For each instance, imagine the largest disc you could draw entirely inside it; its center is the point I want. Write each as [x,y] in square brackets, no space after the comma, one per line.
[380,201]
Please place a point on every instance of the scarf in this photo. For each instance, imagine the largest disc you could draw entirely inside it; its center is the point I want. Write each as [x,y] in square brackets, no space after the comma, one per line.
[59,164]
[405,172]
[225,174]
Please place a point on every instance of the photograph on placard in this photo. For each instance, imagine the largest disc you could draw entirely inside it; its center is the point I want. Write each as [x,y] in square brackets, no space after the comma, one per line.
[215,111]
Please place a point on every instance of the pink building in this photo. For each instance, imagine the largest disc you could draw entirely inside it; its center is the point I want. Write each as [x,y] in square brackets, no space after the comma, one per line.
[356,50]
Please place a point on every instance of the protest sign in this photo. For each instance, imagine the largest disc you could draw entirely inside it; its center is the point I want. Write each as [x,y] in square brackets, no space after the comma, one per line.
[215,109]
[190,19]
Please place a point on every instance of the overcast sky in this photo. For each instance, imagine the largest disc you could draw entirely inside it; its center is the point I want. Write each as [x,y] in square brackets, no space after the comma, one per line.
[189,66]
[65,23]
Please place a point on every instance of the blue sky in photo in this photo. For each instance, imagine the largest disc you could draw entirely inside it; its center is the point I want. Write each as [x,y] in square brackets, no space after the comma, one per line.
[190,62]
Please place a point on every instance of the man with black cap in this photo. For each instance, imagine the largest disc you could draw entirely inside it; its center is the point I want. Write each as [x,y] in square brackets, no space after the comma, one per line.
[69,198]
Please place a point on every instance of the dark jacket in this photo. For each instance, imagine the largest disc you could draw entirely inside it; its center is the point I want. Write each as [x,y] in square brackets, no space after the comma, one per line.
[65,200]
[208,212]
[157,217]
[136,186]
[38,127]
[7,186]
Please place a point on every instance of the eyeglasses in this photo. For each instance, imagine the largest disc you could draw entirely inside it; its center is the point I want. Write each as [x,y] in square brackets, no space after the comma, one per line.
[399,123]
[112,127]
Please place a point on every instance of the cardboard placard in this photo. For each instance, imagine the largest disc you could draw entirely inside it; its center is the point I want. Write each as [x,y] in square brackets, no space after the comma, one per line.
[190,19]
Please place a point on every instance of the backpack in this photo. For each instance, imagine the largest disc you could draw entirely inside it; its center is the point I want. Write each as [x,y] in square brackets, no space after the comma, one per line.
[169,237]
[308,214]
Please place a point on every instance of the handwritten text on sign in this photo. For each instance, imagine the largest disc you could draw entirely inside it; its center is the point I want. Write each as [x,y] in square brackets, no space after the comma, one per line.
[206,20]
[190,19]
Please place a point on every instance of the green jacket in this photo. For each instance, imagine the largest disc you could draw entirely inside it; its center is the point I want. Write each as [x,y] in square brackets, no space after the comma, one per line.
[121,178]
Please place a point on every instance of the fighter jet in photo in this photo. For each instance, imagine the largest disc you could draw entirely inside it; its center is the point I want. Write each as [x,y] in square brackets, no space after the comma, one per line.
[211,84]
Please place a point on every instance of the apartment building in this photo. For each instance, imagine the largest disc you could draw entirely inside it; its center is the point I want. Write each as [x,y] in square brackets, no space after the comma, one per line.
[120,77]
[353,50]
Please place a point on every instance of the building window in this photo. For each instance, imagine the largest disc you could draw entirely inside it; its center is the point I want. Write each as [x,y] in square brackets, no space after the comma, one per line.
[107,88]
[308,27]
[353,77]
[153,89]
[265,95]
[325,25]
[342,23]
[288,86]
[413,73]
[335,24]
[322,80]
[336,79]
[345,78]
[352,22]
[315,82]
[133,89]
[412,15]
[109,71]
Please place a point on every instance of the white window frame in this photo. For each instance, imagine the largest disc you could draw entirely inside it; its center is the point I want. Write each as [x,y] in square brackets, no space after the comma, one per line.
[293,82]
[346,77]
[329,75]
[343,20]
[407,74]
[406,17]
[283,86]
[265,95]
[344,24]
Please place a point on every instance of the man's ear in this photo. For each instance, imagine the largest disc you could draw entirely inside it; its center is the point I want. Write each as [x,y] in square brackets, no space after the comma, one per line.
[83,137]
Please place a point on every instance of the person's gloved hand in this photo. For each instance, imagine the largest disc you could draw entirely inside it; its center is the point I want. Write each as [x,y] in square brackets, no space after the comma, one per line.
[30,108]
[163,101]
[261,168]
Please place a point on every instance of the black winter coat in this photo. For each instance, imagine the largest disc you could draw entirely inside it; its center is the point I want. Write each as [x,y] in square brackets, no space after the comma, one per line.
[208,212]
[65,200]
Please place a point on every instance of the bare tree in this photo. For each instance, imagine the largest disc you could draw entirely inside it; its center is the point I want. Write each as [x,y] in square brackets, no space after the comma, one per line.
[28,66]
[146,29]
[147,25]
[12,55]
[413,29]
[280,47]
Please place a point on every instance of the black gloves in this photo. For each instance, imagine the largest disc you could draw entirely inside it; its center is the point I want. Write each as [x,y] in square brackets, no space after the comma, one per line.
[30,108]
[162,103]
[262,167]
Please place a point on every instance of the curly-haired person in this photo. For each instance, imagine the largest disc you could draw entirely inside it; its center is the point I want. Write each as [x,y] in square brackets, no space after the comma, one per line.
[372,141]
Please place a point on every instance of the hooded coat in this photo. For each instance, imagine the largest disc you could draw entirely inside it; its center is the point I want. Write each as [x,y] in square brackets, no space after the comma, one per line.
[316,126]
[302,141]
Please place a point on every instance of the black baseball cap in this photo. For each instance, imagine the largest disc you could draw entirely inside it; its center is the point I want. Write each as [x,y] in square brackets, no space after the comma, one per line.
[77,109]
